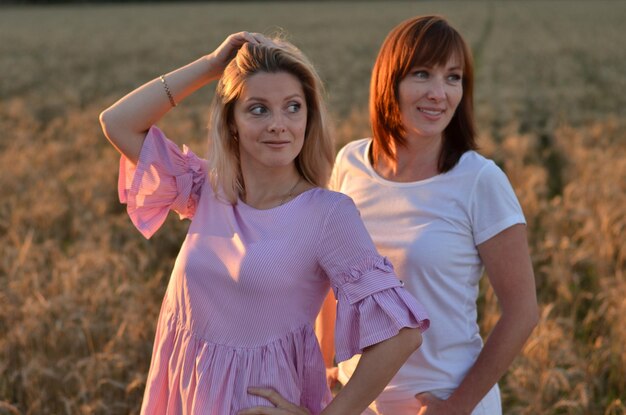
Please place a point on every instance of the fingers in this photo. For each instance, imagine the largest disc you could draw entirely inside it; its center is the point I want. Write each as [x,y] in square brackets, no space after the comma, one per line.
[262,40]
[425,398]
[253,38]
[228,49]
[235,41]
[225,52]
[238,39]
[272,396]
[244,37]
[332,375]
[259,38]
[263,410]
[422,398]
[283,406]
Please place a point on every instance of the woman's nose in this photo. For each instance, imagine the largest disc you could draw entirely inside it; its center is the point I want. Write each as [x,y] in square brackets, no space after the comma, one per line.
[436,90]
[277,124]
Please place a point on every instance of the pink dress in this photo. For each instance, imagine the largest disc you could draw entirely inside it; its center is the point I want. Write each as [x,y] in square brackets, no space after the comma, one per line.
[247,285]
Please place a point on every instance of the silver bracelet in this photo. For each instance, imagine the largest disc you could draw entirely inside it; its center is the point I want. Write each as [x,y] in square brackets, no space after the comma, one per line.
[167,91]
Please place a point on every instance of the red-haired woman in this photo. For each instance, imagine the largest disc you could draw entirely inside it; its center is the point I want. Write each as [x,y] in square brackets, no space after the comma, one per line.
[442,213]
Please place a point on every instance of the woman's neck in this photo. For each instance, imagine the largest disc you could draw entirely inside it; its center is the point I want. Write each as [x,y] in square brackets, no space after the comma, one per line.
[272,187]
[418,160]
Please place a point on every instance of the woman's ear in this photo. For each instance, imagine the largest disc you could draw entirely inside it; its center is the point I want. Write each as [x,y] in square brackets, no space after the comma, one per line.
[233,132]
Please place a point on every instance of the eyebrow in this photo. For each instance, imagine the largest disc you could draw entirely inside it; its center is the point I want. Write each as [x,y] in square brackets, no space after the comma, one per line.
[454,68]
[265,100]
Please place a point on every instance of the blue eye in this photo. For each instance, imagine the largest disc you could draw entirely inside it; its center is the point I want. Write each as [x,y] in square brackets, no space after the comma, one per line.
[294,107]
[258,110]
[455,77]
[420,74]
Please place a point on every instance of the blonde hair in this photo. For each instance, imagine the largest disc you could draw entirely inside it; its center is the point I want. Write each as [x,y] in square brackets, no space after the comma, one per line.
[315,160]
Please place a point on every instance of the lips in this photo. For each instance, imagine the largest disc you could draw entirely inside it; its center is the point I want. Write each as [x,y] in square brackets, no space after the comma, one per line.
[431,111]
[275,144]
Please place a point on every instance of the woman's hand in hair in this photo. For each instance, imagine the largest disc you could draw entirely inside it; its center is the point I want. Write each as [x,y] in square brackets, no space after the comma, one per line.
[225,52]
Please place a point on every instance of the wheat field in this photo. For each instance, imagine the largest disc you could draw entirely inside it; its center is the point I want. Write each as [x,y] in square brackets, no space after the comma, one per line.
[80,289]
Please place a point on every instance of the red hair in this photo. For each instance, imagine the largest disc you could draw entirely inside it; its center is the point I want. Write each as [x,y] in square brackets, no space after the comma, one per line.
[420,41]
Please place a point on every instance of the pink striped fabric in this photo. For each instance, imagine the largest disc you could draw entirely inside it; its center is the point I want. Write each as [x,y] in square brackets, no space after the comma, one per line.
[247,285]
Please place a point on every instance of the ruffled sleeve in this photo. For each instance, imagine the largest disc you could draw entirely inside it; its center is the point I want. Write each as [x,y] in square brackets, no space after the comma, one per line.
[164,178]
[372,305]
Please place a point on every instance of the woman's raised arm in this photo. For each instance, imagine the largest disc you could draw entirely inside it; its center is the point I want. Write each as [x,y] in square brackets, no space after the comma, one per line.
[126,122]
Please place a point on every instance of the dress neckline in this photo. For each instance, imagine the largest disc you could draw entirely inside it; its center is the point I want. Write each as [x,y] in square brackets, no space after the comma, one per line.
[290,202]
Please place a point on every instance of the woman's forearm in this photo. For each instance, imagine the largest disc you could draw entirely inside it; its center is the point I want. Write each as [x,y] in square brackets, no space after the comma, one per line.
[503,345]
[378,364]
[508,265]
[126,122]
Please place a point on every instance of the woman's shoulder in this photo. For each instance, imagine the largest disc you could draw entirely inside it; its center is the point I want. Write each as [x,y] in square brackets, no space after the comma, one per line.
[328,198]
[356,148]
[481,171]
[324,203]
[330,208]
[473,158]
[361,143]
[352,157]
[474,162]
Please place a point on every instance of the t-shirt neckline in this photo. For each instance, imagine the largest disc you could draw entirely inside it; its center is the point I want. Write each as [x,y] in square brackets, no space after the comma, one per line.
[391,183]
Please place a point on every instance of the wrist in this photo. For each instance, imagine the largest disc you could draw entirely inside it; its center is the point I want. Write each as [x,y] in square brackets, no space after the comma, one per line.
[457,406]
[213,70]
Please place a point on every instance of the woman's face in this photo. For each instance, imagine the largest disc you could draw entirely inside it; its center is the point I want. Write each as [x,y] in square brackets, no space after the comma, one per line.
[428,98]
[270,119]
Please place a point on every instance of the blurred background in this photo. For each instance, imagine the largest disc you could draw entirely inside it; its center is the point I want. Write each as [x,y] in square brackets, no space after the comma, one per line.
[80,289]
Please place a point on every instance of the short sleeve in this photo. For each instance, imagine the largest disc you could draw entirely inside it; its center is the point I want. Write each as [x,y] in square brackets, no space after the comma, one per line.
[372,305]
[493,205]
[164,178]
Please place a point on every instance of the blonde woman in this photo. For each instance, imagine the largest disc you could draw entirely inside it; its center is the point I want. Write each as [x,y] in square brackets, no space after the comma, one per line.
[265,243]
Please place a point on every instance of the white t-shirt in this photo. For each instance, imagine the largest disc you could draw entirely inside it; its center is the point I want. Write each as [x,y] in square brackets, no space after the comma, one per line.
[429,229]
